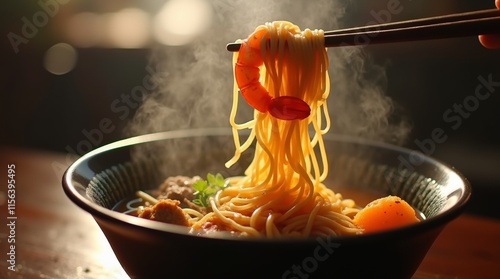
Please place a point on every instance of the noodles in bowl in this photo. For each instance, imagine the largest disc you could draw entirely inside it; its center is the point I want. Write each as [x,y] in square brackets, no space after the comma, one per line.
[282,72]
[278,214]
[360,169]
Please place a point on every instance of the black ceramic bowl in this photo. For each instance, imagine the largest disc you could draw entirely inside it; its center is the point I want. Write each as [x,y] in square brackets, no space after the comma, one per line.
[148,249]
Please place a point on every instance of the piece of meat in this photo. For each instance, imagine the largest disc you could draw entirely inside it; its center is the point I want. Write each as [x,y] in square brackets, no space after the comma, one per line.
[167,211]
[177,188]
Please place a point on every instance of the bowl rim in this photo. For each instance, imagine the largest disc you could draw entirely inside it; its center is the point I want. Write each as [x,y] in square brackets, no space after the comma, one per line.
[102,213]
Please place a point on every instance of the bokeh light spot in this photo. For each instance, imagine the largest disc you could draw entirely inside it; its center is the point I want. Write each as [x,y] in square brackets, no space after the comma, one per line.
[85,29]
[128,28]
[60,59]
[179,21]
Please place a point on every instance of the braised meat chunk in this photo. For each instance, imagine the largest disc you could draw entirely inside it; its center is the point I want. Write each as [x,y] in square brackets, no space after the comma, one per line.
[177,188]
[167,211]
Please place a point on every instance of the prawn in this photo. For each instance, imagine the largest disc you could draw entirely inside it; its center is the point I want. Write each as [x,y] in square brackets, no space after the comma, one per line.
[247,76]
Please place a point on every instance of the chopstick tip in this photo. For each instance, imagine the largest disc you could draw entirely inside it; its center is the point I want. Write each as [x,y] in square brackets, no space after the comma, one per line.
[233,47]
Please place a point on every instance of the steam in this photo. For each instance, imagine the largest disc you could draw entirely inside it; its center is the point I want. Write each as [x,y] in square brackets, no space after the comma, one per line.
[194,83]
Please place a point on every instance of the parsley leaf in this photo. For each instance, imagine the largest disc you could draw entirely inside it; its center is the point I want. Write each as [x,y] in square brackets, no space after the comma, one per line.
[207,188]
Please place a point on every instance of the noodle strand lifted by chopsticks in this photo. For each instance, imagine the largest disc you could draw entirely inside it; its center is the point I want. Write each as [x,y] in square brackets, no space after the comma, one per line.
[282,192]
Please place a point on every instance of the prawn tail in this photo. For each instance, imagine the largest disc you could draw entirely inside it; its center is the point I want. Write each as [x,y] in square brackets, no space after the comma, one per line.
[289,108]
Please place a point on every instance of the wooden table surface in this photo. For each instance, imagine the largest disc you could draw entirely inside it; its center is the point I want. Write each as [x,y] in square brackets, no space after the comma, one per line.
[56,239]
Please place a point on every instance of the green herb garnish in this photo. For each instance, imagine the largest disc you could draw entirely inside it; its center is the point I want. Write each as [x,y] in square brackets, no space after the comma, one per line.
[207,188]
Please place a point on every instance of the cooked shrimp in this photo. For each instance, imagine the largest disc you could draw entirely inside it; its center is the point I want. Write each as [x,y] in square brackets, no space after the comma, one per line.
[247,75]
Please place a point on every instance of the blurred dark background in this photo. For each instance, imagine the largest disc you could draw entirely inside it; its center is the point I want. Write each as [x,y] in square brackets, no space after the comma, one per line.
[74,97]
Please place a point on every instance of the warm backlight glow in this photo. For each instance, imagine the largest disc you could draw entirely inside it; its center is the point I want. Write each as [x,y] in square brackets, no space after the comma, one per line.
[128,28]
[125,28]
[85,29]
[179,21]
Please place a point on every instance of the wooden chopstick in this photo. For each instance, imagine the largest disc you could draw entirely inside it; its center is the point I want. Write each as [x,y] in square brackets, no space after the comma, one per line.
[439,27]
[420,22]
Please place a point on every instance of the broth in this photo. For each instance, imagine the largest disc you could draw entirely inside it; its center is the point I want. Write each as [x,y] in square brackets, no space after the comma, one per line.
[130,204]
